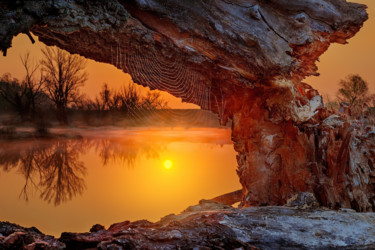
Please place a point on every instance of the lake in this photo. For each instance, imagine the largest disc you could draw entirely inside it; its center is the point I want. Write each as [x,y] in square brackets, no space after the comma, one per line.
[112,175]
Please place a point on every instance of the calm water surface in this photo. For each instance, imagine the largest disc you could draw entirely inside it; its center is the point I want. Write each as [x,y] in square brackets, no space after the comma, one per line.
[112,175]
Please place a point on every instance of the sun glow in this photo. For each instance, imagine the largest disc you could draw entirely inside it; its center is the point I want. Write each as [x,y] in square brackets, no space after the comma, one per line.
[167,164]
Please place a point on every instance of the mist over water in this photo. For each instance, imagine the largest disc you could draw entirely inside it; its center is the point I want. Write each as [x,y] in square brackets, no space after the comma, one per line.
[123,154]
[110,175]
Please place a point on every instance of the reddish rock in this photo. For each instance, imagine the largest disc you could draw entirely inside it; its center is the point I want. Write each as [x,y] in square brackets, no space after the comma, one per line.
[243,60]
[229,198]
[17,237]
[324,155]
[97,227]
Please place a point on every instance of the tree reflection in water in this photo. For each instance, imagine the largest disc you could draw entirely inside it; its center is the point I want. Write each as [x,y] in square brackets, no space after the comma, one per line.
[125,152]
[54,169]
[62,173]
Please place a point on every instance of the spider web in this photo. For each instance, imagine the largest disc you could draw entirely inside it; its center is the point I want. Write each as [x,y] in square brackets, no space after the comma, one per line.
[173,75]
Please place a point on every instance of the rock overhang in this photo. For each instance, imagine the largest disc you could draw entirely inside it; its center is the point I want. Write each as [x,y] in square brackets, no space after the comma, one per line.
[243,60]
[237,42]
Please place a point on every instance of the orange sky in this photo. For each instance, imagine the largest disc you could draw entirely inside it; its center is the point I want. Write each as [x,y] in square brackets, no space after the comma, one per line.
[355,57]
[335,64]
[99,73]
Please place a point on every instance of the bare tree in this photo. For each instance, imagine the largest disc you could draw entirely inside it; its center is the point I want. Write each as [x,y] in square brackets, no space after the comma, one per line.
[23,96]
[153,100]
[130,99]
[31,84]
[355,93]
[64,74]
[105,99]
[353,90]
[11,92]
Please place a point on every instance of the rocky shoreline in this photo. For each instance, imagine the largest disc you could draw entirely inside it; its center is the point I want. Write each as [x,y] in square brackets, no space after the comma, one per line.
[211,225]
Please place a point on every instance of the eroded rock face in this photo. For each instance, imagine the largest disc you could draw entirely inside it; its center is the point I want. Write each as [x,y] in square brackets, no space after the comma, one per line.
[243,60]
[326,155]
[16,237]
[211,225]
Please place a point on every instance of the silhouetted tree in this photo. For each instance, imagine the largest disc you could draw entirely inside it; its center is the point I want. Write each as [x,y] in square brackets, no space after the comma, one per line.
[355,93]
[153,100]
[128,100]
[353,90]
[32,85]
[131,100]
[13,94]
[63,74]
[23,96]
[107,99]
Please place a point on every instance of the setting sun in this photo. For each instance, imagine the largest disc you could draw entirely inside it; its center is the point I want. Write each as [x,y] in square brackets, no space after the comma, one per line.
[167,164]
[218,131]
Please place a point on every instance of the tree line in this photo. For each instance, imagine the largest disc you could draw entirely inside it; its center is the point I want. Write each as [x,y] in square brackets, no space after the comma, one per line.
[54,83]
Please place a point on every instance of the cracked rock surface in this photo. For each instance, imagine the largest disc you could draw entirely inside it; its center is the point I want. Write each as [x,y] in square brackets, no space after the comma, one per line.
[211,225]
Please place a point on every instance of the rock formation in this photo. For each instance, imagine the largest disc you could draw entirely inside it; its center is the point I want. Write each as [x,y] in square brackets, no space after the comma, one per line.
[16,237]
[245,61]
[211,225]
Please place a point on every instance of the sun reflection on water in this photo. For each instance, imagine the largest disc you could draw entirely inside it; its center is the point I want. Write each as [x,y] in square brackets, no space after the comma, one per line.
[168,164]
[128,174]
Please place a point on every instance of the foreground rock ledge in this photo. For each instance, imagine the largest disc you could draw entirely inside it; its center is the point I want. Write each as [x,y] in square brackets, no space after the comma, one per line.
[212,225]
[243,60]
